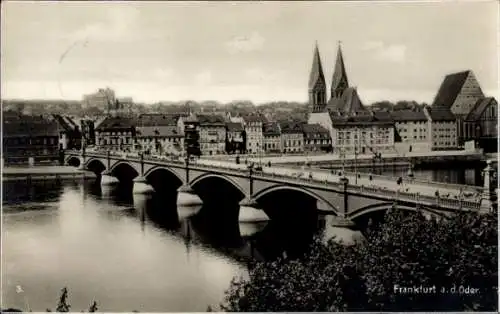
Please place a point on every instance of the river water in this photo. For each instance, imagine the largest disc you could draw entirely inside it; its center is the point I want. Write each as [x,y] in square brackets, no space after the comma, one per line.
[127,256]
[102,248]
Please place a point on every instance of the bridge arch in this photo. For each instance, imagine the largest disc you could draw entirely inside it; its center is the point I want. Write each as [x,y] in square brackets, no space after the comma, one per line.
[124,171]
[386,205]
[170,170]
[281,187]
[73,161]
[223,177]
[95,165]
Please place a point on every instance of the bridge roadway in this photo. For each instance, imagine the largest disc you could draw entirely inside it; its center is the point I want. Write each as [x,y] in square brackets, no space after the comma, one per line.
[450,198]
[336,157]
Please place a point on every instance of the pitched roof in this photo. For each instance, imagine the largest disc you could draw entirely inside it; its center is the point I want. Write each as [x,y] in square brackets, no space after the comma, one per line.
[234,127]
[118,123]
[348,103]
[479,107]
[316,70]
[157,119]
[63,123]
[441,114]
[449,89]
[339,73]
[290,127]
[211,119]
[28,126]
[408,115]
[158,131]
[271,129]
[315,131]
[254,117]
[361,118]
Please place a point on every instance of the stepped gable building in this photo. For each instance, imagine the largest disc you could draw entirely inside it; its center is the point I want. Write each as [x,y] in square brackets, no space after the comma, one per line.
[461,94]
[352,127]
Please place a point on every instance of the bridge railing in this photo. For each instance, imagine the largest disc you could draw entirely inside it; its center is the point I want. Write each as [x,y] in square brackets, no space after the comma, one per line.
[322,179]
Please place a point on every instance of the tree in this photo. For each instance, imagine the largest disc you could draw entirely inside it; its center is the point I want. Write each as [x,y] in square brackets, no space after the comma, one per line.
[408,250]
[63,305]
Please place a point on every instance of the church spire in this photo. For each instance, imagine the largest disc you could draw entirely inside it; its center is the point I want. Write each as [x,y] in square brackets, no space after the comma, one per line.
[339,79]
[317,84]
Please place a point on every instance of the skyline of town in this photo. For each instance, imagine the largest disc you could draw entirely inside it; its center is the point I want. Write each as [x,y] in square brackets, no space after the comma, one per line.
[261,58]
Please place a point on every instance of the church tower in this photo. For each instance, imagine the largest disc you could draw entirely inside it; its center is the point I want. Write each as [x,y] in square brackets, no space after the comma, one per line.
[339,79]
[317,84]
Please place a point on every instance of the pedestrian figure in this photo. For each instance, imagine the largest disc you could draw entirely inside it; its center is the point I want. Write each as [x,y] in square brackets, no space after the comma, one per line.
[399,181]
[269,164]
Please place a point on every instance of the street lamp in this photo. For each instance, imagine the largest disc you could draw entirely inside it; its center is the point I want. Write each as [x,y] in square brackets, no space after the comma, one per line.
[355,164]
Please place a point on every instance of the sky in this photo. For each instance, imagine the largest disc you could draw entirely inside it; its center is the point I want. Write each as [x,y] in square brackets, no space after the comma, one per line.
[258,51]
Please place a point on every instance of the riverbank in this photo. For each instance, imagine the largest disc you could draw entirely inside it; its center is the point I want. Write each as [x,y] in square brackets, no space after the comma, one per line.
[44,173]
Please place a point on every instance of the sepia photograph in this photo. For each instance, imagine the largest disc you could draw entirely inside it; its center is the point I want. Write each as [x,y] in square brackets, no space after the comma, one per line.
[249,156]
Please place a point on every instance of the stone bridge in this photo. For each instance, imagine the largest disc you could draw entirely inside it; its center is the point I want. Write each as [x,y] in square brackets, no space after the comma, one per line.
[341,198]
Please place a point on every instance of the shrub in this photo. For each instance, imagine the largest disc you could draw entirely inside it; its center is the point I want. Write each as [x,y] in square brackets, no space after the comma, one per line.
[407,251]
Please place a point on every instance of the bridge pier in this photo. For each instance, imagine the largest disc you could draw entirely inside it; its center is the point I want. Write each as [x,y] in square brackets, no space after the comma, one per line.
[108,179]
[341,230]
[250,213]
[187,197]
[141,186]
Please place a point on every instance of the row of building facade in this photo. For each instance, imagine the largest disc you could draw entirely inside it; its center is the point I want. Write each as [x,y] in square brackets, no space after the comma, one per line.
[459,114]
[42,137]
[165,134]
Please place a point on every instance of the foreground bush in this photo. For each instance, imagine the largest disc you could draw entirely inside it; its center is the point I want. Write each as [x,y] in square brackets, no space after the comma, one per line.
[441,259]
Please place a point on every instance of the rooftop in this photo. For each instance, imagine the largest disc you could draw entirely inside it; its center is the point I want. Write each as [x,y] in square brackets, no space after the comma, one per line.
[348,103]
[118,123]
[449,89]
[28,126]
[249,118]
[271,129]
[479,108]
[158,131]
[234,127]
[315,131]
[408,115]
[157,119]
[210,119]
[441,114]
[291,127]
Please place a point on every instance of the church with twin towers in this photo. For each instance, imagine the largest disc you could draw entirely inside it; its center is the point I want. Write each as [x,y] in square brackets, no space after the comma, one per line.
[353,128]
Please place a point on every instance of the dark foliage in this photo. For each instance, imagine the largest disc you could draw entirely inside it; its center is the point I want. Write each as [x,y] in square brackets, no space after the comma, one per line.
[64,306]
[407,251]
